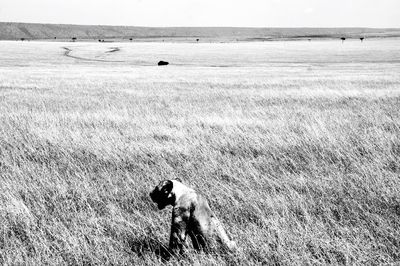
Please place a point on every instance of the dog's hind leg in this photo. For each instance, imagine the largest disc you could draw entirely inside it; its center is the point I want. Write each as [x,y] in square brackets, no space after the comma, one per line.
[222,236]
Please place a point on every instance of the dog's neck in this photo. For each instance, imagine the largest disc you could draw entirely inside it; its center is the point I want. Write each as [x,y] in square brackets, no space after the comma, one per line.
[179,189]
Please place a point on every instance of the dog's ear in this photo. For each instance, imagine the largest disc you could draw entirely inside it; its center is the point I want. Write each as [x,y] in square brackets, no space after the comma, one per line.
[168,186]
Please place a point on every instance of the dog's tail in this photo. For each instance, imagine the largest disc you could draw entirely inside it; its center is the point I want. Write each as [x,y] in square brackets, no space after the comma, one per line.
[223,237]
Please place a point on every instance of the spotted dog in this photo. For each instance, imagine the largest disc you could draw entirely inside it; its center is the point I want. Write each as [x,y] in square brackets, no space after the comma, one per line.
[191,216]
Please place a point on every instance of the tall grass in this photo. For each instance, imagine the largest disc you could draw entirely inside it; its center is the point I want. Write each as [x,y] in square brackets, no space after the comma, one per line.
[300,162]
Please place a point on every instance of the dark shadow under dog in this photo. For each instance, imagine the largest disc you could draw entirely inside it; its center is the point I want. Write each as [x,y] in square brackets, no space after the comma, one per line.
[145,245]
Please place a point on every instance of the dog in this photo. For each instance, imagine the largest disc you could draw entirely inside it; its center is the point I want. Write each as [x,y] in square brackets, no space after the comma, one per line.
[191,216]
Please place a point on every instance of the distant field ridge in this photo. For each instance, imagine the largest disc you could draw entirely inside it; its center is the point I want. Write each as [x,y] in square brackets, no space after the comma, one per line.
[14,31]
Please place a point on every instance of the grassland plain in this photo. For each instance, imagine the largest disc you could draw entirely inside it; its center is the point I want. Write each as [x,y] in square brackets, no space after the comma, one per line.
[295,144]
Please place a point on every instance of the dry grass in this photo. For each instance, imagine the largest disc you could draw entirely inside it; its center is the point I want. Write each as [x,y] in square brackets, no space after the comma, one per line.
[296,145]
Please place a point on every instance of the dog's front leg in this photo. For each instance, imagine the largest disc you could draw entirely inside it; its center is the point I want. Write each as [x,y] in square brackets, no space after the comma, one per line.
[179,229]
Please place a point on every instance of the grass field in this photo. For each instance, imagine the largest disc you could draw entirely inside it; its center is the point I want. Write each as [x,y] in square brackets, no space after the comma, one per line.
[295,144]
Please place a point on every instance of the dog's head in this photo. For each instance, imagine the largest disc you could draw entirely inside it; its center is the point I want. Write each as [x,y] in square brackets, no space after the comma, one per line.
[162,194]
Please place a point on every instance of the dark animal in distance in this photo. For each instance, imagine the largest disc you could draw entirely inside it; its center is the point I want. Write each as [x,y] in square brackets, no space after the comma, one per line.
[191,216]
[163,63]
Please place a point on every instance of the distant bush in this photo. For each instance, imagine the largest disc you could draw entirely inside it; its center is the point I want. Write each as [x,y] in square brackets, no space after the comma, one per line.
[163,63]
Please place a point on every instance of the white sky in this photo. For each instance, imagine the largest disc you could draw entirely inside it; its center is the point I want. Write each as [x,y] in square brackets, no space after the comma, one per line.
[236,13]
